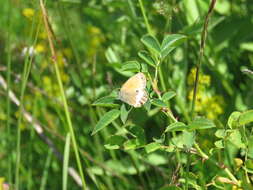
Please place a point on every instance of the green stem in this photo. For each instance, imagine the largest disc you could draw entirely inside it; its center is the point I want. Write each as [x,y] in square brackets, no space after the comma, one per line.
[64,99]
[8,91]
[145,17]
[201,51]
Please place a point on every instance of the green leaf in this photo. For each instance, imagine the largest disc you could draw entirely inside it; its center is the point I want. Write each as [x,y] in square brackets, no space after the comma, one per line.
[246,117]
[220,133]
[123,113]
[138,140]
[65,161]
[233,119]
[115,142]
[131,144]
[168,95]
[111,56]
[170,42]
[151,147]
[107,101]
[219,144]
[158,102]
[191,11]
[185,139]
[152,43]
[200,123]
[139,133]
[147,58]
[177,126]
[133,66]
[106,120]
[236,138]
[250,153]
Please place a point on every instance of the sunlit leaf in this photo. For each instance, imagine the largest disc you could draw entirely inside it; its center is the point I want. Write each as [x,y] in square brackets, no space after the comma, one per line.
[246,117]
[170,42]
[177,126]
[131,66]
[147,58]
[151,147]
[233,119]
[106,120]
[115,142]
[158,102]
[168,95]
[201,123]
[152,43]
[107,101]
[219,144]
[123,113]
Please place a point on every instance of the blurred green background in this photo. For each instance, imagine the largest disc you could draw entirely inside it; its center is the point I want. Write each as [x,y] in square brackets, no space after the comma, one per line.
[93,39]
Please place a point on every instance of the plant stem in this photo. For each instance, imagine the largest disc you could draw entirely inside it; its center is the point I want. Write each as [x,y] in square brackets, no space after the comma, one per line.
[145,17]
[201,51]
[65,104]
[8,91]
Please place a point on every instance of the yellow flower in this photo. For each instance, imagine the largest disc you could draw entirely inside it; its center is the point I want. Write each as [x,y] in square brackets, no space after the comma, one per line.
[206,103]
[28,13]
[203,79]
[40,48]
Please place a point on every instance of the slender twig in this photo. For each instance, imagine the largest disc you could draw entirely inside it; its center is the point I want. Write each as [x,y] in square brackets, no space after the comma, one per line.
[201,52]
[66,109]
[198,66]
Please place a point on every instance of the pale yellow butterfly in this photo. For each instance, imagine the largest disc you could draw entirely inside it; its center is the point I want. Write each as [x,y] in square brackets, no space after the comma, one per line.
[133,91]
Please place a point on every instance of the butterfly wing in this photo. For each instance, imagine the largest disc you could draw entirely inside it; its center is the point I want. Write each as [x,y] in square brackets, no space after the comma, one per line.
[133,90]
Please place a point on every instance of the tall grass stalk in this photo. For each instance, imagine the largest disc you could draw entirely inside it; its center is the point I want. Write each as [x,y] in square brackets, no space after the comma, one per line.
[66,162]
[45,172]
[25,76]
[65,104]
[198,67]
[8,91]
[145,17]
[201,52]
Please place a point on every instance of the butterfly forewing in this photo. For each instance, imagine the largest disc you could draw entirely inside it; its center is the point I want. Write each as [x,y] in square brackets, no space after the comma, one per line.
[137,81]
[133,90]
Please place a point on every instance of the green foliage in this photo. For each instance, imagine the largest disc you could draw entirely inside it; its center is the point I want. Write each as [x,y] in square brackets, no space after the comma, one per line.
[106,120]
[98,45]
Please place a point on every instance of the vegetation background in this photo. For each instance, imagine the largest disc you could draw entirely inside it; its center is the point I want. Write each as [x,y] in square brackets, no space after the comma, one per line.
[62,63]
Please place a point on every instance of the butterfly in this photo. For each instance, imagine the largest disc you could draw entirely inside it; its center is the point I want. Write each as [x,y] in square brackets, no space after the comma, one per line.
[133,91]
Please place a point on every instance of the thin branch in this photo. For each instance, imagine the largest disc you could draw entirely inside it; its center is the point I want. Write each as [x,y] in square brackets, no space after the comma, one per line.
[201,52]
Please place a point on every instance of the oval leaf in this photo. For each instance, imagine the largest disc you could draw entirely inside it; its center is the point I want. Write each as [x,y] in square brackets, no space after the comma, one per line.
[170,42]
[159,103]
[106,120]
[123,113]
[147,58]
[131,66]
[107,101]
[177,126]
[114,142]
[151,147]
[233,119]
[152,43]
[200,123]
[168,95]
[246,117]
